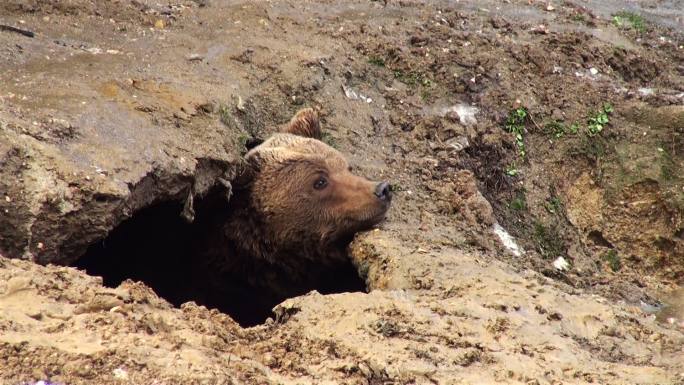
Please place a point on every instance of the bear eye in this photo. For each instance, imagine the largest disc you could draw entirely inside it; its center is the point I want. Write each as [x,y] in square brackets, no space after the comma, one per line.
[320,183]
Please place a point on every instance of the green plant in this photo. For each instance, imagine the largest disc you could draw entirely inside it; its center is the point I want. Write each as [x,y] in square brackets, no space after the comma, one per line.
[628,20]
[613,259]
[425,94]
[548,240]
[518,204]
[574,128]
[413,79]
[596,121]
[579,18]
[243,139]
[515,124]
[416,79]
[558,129]
[377,61]
[555,128]
[553,205]
[667,164]
[225,116]
[512,170]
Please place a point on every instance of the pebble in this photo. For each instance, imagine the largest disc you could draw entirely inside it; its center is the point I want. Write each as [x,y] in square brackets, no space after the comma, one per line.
[36,314]
[16,284]
[120,374]
[561,264]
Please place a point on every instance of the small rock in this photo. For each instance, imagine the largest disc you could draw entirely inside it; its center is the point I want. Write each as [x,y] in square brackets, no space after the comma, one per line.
[118,309]
[465,114]
[159,24]
[644,91]
[16,284]
[499,22]
[240,105]
[540,29]
[507,240]
[351,94]
[35,314]
[120,374]
[458,143]
[557,115]
[561,264]
[101,171]
[97,304]
[269,360]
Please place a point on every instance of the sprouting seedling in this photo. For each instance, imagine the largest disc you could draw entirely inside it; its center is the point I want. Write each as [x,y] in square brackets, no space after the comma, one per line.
[377,61]
[511,170]
[596,122]
[628,20]
[516,125]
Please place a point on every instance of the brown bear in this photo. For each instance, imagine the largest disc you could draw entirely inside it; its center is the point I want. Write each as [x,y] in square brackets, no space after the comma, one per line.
[294,213]
[301,201]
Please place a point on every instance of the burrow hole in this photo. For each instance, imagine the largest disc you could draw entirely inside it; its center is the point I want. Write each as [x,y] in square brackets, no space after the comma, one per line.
[158,247]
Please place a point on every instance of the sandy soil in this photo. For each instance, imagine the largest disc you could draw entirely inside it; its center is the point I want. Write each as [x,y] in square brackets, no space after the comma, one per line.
[118,106]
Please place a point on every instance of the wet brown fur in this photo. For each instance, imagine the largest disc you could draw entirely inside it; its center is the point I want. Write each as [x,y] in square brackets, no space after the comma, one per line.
[279,217]
[305,123]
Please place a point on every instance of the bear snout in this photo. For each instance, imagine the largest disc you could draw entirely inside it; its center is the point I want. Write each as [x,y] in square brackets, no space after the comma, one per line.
[383,192]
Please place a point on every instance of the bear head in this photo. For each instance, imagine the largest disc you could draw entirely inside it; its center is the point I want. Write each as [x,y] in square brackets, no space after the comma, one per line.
[303,199]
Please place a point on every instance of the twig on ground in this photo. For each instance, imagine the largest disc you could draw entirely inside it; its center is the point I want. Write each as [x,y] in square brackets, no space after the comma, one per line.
[17,30]
[535,123]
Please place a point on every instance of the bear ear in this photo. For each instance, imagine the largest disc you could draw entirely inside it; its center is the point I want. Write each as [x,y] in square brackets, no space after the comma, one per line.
[304,123]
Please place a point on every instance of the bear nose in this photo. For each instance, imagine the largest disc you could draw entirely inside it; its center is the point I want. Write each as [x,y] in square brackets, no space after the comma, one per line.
[382,191]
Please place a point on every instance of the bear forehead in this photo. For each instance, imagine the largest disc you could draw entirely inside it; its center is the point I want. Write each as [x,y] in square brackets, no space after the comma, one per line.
[294,143]
[292,150]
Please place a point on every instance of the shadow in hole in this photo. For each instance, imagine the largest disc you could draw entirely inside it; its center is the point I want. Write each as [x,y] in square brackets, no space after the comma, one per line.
[156,246]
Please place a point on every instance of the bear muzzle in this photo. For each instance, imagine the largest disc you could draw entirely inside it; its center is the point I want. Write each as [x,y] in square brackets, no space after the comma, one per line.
[383,192]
